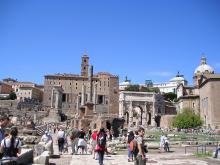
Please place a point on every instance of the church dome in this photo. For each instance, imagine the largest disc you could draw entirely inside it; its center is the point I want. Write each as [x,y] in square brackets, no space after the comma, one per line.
[125,83]
[204,68]
[178,78]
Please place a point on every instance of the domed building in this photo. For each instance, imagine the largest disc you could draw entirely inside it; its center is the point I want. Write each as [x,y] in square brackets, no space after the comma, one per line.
[171,86]
[203,96]
[124,84]
[202,69]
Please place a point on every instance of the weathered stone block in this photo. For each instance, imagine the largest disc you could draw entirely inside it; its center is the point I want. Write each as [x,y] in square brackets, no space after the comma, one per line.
[42,159]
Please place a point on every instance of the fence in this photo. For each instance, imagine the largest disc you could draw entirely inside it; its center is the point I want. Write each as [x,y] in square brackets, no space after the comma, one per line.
[203,148]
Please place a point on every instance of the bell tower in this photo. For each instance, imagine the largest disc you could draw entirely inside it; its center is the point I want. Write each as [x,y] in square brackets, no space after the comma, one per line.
[85,65]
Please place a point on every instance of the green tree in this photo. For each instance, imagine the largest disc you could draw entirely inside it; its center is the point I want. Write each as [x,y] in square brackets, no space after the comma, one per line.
[154,89]
[170,96]
[135,88]
[138,88]
[144,89]
[12,96]
[187,119]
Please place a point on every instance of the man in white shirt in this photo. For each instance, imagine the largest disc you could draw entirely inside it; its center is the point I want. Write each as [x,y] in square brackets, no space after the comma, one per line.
[161,142]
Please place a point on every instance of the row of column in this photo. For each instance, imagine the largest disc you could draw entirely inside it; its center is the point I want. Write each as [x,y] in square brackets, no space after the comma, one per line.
[145,116]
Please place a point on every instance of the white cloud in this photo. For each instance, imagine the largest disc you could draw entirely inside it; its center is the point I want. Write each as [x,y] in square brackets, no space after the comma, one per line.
[161,74]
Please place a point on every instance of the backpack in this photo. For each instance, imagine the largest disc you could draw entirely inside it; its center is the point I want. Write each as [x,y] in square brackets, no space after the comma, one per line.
[134,147]
[102,140]
[7,150]
[72,136]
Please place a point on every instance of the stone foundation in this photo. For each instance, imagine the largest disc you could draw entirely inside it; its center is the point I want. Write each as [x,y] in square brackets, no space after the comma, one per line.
[166,121]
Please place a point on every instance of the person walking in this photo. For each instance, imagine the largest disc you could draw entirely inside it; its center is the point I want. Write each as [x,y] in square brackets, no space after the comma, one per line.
[216,151]
[166,144]
[140,158]
[130,153]
[101,144]
[94,142]
[11,146]
[82,142]
[60,139]
[161,142]
[74,140]
[46,137]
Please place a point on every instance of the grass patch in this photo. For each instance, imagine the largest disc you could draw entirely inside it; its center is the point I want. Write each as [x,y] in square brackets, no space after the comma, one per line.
[203,155]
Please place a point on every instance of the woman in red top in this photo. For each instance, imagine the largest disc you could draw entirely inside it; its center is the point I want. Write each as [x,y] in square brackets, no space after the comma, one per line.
[94,142]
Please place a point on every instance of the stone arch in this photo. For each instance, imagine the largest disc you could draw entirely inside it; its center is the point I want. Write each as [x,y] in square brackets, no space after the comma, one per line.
[149,118]
[126,114]
[138,113]
[157,120]
[108,125]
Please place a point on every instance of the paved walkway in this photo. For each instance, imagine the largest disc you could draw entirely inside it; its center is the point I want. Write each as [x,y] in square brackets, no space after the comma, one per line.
[174,158]
[58,159]
[154,159]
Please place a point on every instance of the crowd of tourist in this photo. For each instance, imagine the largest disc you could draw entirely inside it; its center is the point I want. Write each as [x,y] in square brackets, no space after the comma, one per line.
[96,141]
[79,140]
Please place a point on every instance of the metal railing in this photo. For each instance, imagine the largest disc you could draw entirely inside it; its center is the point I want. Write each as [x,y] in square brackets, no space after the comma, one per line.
[202,148]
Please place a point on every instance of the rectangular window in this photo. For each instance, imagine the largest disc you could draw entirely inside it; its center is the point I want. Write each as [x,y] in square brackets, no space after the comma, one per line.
[64,98]
[100,99]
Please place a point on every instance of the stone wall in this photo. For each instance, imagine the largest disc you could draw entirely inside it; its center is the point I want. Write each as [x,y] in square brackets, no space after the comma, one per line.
[209,104]
[9,104]
[114,96]
[166,121]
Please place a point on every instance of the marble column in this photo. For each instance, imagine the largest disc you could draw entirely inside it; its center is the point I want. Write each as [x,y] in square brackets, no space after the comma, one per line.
[121,108]
[77,106]
[153,123]
[56,100]
[144,115]
[94,97]
[130,114]
[52,95]
[83,95]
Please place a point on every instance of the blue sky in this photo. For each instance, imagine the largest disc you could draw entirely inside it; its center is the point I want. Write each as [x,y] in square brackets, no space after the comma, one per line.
[143,39]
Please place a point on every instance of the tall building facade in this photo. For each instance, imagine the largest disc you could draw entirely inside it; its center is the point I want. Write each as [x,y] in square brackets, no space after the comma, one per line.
[72,93]
[24,90]
[203,96]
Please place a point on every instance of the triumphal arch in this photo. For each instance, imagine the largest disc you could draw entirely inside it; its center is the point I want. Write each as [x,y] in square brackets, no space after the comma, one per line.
[141,108]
